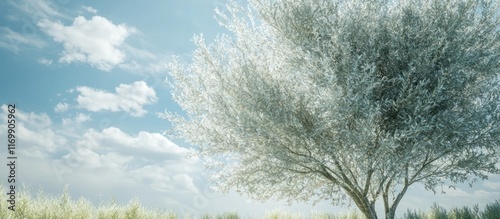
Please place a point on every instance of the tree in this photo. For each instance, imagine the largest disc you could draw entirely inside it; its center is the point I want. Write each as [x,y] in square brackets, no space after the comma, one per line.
[348,101]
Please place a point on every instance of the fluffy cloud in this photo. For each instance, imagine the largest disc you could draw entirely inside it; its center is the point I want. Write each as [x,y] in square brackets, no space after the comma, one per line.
[44,61]
[95,41]
[114,160]
[154,143]
[128,97]
[146,158]
[61,107]
[79,118]
[89,9]
[34,133]
[144,141]
[32,119]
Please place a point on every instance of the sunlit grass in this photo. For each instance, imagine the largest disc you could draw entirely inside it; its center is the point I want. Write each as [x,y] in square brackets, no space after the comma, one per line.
[43,206]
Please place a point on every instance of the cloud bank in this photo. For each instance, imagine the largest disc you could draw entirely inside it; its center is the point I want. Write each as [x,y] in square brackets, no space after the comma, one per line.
[102,162]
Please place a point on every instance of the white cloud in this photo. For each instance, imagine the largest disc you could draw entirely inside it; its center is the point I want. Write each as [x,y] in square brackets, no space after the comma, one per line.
[79,118]
[14,41]
[493,182]
[45,61]
[161,179]
[45,137]
[492,185]
[122,161]
[454,192]
[32,119]
[144,61]
[35,133]
[128,97]
[144,142]
[485,195]
[61,107]
[38,8]
[82,118]
[95,41]
[144,66]
[90,9]
[147,158]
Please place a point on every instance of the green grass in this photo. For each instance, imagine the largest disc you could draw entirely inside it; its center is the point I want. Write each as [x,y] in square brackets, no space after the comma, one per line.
[491,211]
[43,206]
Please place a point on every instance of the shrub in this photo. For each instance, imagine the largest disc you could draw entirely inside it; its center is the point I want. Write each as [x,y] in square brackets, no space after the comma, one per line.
[413,214]
[438,212]
[462,213]
[491,211]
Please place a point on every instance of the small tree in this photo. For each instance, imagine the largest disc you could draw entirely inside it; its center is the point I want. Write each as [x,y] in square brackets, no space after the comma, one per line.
[345,100]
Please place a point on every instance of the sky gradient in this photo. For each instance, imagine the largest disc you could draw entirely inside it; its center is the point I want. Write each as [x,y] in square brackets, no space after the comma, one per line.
[88,80]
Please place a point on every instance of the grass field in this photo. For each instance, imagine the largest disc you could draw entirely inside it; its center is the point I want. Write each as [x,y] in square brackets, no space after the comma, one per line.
[43,206]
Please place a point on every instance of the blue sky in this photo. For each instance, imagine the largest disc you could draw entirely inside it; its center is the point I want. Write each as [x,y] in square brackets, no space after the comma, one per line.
[87,78]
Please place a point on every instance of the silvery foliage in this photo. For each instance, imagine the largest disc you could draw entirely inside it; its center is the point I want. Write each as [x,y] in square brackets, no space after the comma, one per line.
[345,100]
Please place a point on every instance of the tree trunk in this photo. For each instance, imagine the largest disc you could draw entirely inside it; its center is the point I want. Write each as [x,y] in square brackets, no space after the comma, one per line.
[367,208]
[390,212]
[372,213]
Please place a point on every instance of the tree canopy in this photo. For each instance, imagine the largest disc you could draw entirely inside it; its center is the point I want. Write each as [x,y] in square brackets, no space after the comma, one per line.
[348,101]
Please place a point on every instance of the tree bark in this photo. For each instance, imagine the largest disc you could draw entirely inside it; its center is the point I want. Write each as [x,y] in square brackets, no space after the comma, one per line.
[390,212]
[367,208]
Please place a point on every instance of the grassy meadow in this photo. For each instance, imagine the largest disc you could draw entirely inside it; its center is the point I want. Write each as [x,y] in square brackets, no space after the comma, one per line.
[43,206]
